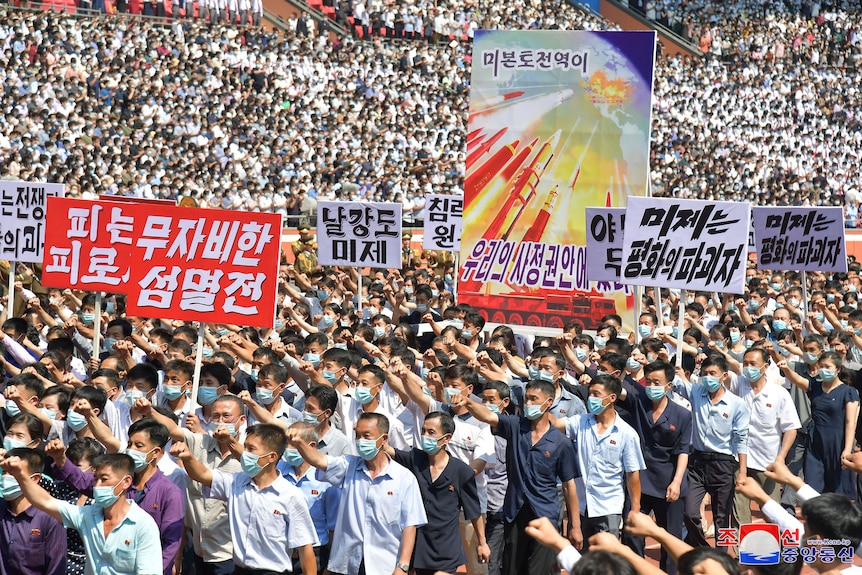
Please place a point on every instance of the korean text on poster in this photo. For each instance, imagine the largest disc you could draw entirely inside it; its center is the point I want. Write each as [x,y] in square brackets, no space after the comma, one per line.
[204,265]
[359,234]
[686,244]
[605,243]
[443,222]
[22,218]
[802,239]
[88,245]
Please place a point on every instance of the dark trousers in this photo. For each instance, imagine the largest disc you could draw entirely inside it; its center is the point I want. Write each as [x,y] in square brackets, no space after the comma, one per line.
[715,474]
[495,527]
[522,554]
[219,568]
[602,524]
[794,460]
[244,571]
[668,516]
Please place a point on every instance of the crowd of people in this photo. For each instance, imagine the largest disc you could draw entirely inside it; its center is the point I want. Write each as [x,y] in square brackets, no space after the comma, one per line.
[387,429]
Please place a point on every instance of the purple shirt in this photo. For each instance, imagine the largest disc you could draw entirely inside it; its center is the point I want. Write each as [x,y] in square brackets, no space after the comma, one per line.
[160,498]
[31,543]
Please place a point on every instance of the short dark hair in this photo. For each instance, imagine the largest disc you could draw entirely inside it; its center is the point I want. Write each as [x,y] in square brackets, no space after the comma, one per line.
[609,382]
[380,420]
[146,372]
[447,424]
[689,560]
[127,327]
[274,370]
[84,448]
[64,345]
[603,563]
[31,422]
[111,375]
[182,366]
[219,371]
[662,366]
[155,431]
[834,516]
[272,436]
[616,361]
[29,382]
[64,396]
[716,360]
[325,395]
[96,397]
[759,351]
[375,371]
[117,462]
[341,357]
[545,387]
[34,458]
[463,372]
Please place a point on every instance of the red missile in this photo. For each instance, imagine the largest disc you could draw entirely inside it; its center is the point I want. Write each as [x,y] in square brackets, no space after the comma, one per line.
[534,234]
[484,148]
[475,133]
[479,178]
[507,174]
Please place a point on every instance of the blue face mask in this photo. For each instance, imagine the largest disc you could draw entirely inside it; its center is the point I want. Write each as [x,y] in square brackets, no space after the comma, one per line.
[779,325]
[581,354]
[172,392]
[367,448]
[104,496]
[139,458]
[110,307]
[312,358]
[710,382]
[732,307]
[49,413]
[12,408]
[329,376]
[221,332]
[545,376]
[533,372]
[751,373]
[207,395]
[826,375]
[601,342]
[9,444]
[644,330]
[734,337]
[429,445]
[265,396]
[231,428]
[421,307]
[596,405]
[292,457]
[435,293]
[279,323]
[655,392]
[327,321]
[363,395]
[108,344]
[340,346]
[88,318]
[754,305]
[249,462]
[493,408]
[379,332]
[254,373]
[633,364]
[311,418]
[9,487]
[819,316]
[830,297]
[810,358]
[207,352]
[776,287]
[322,295]
[450,392]
[76,421]
[467,333]
[533,412]
[844,323]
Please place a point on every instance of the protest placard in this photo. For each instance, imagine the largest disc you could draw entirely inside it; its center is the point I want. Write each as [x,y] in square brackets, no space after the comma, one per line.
[800,238]
[359,234]
[22,218]
[605,243]
[88,244]
[443,222]
[686,244]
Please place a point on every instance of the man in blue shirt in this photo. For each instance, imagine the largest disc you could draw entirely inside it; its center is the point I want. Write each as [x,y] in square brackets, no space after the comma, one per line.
[720,434]
[538,456]
[609,457]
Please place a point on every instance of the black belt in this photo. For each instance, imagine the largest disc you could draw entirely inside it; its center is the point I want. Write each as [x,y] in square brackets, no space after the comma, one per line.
[713,456]
[246,571]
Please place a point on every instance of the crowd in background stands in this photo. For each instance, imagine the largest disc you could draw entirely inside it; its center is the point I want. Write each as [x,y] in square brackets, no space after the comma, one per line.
[247,119]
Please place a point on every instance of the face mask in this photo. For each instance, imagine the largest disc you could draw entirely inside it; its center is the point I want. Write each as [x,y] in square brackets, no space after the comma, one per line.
[644,330]
[110,307]
[819,316]
[408,291]
[207,395]
[655,392]
[312,358]
[340,346]
[545,376]
[231,428]
[327,321]
[448,278]
[49,413]
[133,395]
[450,392]
[9,444]
[322,295]
[581,354]
[109,343]
[827,349]
[329,376]
[429,445]
[76,421]
[719,344]
[254,374]
[139,458]
[533,412]
[793,302]
[533,372]
[689,300]
[172,392]
[633,364]
[222,332]
[710,382]
[826,375]
[344,323]
[249,462]
[844,323]
[675,332]
[104,496]
[754,305]
[830,297]
[421,307]
[292,457]
[779,325]
[596,405]
[207,352]
[776,287]
[493,408]
[12,408]
[379,332]
[435,293]
[601,342]
[311,418]
[9,487]
[732,307]
[459,323]
[367,448]
[88,318]
[264,396]
[751,373]
[363,395]
[749,343]
[427,391]
[278,324]
[467,333]
[810,358]
[852,287]
[854,305]
[734,337]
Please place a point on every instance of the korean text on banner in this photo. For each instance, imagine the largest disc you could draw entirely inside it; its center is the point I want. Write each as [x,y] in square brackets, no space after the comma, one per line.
[559,120]
[686,244]
[605,243]
[22,218]
[359,234]
[443,222]
[205,265]
[800,239]
[88,245]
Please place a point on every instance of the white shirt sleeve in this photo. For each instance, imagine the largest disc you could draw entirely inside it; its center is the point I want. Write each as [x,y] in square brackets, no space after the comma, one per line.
[568,557]
[778,515]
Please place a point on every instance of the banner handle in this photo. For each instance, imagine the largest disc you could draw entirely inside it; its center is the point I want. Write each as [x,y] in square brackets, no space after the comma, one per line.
[681,323]
[97,327]
[804,296]
[10,297]
[199,354]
